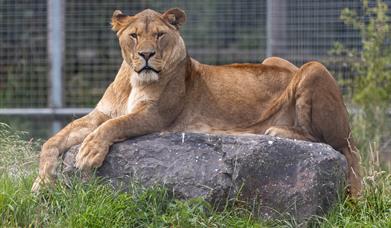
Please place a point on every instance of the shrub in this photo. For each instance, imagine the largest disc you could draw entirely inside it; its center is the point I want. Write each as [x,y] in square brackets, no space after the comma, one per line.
[371,65]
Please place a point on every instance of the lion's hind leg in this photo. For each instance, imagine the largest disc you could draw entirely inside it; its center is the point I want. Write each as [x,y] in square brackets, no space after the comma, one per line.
[280,62]
[320,115]
[301,127]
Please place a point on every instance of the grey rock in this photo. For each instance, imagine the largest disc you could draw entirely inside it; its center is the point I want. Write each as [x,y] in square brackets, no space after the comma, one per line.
[275,176]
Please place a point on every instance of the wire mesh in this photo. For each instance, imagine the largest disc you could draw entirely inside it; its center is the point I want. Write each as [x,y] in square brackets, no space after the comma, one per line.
[217,32]
[309,29]
[23,55]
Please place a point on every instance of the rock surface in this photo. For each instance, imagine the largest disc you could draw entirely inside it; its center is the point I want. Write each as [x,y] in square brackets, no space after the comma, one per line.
[273,175]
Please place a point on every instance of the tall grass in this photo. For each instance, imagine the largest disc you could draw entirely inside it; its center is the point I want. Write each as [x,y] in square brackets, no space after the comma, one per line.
[94,204]
[18,156]
[372,131]
[98,205]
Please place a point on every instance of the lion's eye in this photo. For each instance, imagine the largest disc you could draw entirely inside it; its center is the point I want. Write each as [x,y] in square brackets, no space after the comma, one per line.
[134,35]
[159,34]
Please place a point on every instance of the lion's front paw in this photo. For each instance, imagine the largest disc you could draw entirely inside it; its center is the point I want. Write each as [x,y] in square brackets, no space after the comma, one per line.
[92,153]
[40,182]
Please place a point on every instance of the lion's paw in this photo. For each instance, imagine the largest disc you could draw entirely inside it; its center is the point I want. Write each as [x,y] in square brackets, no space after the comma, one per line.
[40,182]
[91,154]
[275,131]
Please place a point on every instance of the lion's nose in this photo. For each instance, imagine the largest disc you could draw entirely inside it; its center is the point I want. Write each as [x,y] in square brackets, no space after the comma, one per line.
[146,54]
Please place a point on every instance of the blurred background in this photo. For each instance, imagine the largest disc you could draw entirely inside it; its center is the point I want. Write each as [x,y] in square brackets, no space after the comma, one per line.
[57,57]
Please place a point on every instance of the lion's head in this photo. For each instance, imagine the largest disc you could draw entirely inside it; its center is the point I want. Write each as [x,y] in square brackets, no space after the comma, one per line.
[150,42]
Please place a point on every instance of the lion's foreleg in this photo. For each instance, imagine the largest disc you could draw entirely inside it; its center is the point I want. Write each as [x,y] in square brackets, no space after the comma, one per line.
[74,133]
[96,145]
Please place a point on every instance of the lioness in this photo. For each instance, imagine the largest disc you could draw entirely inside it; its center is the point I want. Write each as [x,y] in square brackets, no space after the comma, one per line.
[159,87]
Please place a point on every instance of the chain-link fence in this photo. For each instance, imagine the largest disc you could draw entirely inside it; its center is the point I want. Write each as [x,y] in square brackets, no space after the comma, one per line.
[219,31]
[23,54]
[216,32]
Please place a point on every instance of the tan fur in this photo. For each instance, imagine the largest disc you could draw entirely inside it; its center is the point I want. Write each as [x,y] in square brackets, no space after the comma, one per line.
[181,94]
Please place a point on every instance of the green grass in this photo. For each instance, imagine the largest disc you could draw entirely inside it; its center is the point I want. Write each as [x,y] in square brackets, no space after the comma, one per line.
[97,205]
[373,210]
[93,204]
[18,156]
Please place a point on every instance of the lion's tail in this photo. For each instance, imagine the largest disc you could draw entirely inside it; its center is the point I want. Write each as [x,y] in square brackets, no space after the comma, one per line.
[354,175]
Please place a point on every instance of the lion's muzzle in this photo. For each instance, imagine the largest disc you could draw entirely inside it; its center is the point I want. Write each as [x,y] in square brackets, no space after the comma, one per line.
[145,57]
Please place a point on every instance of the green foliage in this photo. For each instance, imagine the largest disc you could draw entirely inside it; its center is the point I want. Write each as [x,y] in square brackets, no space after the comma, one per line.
[371,86]
[94,204]
[371,131]
[373,210]
[371,65]
[374,207]
[18,156]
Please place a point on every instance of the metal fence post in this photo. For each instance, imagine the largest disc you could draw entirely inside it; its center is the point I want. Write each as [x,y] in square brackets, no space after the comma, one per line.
[269,16]
[276,27]
[55,55]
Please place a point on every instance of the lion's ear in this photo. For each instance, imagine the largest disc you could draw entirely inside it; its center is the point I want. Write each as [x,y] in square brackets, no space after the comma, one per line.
[119,20]
[175,17]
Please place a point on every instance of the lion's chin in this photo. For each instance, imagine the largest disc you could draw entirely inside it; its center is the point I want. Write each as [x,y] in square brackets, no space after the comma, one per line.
[144,77]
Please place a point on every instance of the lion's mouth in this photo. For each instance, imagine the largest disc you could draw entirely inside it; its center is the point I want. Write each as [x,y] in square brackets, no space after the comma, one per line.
[148,68]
